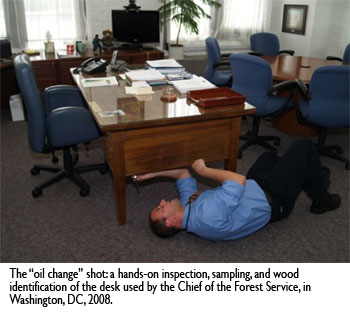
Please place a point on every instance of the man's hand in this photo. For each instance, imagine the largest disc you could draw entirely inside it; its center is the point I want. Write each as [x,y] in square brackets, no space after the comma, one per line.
[216,174]
[145,176]
[199,166]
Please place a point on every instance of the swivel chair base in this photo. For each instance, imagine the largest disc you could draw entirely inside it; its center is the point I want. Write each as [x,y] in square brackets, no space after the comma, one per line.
[252,138]
[332,151]
[68,171]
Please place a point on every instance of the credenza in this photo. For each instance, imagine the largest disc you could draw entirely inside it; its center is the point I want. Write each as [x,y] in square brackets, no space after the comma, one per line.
[53,69]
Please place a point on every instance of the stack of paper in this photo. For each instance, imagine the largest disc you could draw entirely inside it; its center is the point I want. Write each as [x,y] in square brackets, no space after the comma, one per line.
[166,66]
[194,83]
[145,75]
[99,81]
[139,88]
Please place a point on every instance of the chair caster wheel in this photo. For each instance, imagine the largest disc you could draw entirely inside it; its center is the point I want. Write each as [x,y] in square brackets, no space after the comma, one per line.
[84,191]
[347,166]
[240,155]
[339,151]
[34,171]
[36,192]
[277,142]
[104,170]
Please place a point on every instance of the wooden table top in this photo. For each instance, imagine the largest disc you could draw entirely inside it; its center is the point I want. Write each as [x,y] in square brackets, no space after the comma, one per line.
[287,67]
[148,110]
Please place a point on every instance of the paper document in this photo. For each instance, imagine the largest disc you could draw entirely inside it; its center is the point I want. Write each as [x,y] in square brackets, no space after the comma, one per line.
[166,66]
[99,81]
[194,83]
[164,63]
[139,88]
[145,75]
[111,113]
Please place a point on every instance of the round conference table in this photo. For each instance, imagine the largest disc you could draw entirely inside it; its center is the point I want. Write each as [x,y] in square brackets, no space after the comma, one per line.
[287,67]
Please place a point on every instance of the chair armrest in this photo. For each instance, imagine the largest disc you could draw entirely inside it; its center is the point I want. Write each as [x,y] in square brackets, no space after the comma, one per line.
[303,89]
[226,55]
[69,126]
[291,52]
[290,84]
[334,58]
[256,53]
[62,96]
[222,63]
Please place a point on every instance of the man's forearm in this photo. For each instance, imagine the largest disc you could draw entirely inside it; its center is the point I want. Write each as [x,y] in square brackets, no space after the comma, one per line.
[222,175]
[175,174]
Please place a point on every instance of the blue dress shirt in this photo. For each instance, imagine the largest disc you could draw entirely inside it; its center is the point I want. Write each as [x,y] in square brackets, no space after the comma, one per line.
[228,212]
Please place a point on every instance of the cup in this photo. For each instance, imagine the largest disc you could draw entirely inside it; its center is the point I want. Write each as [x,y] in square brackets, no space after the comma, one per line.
[80,46]
[70,49]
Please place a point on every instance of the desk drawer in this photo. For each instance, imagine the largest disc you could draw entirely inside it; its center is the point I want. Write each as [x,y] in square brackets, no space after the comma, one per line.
[177,146]
[46,74]
[44,71]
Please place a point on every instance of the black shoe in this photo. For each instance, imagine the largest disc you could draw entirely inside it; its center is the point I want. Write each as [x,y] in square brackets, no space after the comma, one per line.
[331,203]
[326,174]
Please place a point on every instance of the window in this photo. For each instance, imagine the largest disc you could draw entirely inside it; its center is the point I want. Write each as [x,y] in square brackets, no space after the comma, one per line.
[2,22]
[203,27]
[54,16]
[234,21]
[28,22]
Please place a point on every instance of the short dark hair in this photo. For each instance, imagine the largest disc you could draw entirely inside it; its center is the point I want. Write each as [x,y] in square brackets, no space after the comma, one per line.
[159,228]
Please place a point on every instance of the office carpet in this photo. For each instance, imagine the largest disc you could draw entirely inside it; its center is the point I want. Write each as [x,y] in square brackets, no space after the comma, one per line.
[61,226]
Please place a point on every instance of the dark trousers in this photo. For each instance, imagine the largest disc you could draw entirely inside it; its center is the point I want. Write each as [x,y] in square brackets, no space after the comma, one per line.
[282,178]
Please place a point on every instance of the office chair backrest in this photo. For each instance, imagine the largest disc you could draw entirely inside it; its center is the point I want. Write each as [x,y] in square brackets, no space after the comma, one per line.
[330,101]
[346,55]
[214,55]
[252,77]
[32,102]
[266,43]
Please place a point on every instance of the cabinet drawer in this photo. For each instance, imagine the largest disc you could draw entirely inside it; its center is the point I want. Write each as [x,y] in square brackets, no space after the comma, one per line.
[46,82]
[47,70]
[139,59]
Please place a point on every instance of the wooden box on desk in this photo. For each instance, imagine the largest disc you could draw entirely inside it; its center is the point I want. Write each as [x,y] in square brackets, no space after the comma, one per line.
[215,97]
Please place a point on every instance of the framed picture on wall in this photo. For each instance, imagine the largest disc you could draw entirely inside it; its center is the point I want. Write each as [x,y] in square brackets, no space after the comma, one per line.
[294,19]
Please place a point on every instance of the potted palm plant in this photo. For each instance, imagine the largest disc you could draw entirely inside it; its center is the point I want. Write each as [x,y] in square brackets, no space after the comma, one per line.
[185,13]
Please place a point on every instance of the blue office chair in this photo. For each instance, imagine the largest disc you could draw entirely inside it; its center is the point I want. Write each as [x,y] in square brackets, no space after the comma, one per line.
[326,105]
[252,77]
[213,73]
[266,44]
[64,123]
[346,56]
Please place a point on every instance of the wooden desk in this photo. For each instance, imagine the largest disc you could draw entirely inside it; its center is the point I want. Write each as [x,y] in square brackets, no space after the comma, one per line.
[155,135]
[287,67]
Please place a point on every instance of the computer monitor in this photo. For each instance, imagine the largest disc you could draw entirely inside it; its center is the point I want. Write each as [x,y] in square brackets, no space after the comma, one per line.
[135,28]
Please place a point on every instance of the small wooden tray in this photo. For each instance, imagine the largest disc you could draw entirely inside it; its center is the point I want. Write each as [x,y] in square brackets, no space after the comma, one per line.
[215,97]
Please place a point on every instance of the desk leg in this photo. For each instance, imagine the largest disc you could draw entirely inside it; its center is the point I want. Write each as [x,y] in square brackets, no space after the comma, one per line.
[231,161]
[119,180]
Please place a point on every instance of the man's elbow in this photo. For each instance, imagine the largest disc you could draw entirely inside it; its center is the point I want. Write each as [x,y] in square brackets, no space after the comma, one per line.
[241,180]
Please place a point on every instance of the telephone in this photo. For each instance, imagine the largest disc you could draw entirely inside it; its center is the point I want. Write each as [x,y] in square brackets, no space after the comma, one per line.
[116,65]
[94,65]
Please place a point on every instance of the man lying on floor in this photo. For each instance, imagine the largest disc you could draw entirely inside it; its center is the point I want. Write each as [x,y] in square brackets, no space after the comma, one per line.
[243,205]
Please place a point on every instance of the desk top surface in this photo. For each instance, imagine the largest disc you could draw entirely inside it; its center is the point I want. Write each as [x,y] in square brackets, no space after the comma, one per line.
[148,110]
[287,67]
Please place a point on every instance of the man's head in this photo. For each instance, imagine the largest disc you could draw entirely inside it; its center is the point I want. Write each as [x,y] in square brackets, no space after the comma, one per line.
[166,219]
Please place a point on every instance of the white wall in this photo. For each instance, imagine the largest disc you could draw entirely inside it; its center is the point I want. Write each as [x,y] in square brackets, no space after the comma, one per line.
[327,24]
[327,27]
